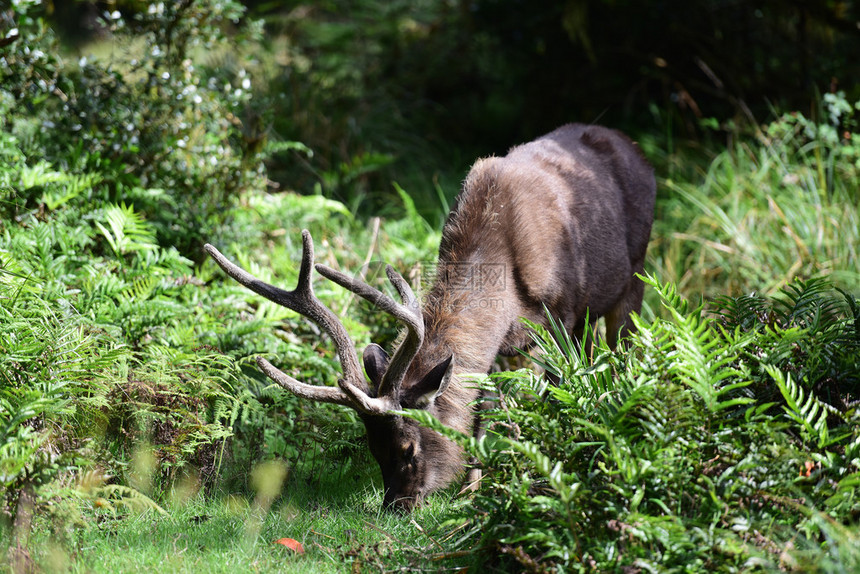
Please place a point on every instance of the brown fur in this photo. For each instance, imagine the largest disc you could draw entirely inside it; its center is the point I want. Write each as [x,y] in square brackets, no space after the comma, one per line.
[561,222]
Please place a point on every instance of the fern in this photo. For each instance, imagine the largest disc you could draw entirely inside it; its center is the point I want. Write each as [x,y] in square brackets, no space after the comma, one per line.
[73,186]
[805,304]
[126,232]
[39,175]
[141,288]
[806,410]
[747,312]
[666,453]
[114,496]
[564,484]
[668,293]
[809,331]
[697,353]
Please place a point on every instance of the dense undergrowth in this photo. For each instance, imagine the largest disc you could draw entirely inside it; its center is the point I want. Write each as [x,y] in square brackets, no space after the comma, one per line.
[725,438]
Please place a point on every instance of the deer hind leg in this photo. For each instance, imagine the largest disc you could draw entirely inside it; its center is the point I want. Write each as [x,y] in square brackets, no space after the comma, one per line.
[618,324]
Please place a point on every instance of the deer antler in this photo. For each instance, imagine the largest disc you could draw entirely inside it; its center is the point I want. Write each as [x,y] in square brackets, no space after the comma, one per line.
[409,313]
[351,391]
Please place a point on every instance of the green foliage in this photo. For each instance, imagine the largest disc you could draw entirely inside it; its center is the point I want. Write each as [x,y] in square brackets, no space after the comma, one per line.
[681,454]
[155,128]
[127,232]
[393,90]
[55,374]
[332,78]
[807,411]
[805,332]
[97,356]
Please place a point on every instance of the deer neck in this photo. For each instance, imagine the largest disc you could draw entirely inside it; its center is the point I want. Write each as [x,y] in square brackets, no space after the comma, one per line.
[469,313]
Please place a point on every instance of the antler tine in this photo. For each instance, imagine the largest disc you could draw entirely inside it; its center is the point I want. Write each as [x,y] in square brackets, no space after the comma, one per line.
[352,389]
[410,345]
[404,290]
[409,313]
[352,397]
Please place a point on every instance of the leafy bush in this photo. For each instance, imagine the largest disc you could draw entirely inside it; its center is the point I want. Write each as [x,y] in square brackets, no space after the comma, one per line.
[158,130]
[805,332]
[93,313]
[101,323]
[704,447]
[46,340]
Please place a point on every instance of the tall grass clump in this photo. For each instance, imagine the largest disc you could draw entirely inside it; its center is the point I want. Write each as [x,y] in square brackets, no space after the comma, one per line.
[783,205]
[724,442]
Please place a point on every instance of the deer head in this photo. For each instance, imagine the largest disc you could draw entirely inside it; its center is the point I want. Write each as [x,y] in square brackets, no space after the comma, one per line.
[399,445]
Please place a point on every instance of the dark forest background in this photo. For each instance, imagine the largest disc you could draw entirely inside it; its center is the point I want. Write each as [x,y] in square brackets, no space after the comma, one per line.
[403,89]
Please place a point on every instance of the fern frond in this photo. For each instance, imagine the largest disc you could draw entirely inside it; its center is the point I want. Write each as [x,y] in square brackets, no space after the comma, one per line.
[693,350]
[853,306]
[808,411]
[141,288]
[565,484]
[39,175]
[119,495]
[668,293]
[805,303]
[747,312]
[126,230]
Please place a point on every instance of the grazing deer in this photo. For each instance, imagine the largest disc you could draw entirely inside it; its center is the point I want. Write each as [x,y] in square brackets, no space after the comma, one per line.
[562,222]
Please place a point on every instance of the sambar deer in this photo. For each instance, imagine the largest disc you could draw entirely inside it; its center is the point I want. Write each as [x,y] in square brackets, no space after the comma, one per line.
[560,223]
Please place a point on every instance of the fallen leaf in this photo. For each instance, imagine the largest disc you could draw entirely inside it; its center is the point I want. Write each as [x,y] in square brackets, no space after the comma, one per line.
[292,544]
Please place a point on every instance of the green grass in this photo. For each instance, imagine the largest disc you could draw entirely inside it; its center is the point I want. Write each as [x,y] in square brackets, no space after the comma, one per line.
[763,213]
[339,523]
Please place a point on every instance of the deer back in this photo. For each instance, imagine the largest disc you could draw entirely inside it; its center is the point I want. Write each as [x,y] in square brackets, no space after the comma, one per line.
[566,218]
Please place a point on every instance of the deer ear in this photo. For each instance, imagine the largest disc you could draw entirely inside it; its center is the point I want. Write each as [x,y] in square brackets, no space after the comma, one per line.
[422,394]
[375,363]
